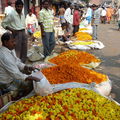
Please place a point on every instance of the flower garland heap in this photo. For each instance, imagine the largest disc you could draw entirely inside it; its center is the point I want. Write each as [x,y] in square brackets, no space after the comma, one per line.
[83,36]
[71,104]
[72,73]
[82,43]
[81,29]
[37,34]
[74,57]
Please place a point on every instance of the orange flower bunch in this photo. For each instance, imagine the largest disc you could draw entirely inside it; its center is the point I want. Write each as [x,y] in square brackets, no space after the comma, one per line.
[72,73]
[83,36]
[74,57]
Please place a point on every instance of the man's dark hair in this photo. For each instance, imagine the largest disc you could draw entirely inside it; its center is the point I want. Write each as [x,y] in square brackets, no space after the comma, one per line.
[76,7]
[64,24]
[45,1]
[9,3]
[6,37]
[94,5]
[18,2]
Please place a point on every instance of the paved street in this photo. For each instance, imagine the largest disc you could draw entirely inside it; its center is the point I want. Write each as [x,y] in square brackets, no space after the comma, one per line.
[110,56]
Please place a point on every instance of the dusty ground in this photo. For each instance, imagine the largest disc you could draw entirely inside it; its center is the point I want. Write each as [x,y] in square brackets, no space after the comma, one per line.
[110,56]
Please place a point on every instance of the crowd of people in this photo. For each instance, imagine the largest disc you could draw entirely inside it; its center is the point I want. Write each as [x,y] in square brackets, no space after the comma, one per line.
[14,74]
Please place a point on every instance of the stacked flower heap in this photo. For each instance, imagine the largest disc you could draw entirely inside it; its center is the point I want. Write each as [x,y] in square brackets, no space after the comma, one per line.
[37,34]
[72,73]
[74,57]
[71,104]
[82,43]
[82,29]
[83,36]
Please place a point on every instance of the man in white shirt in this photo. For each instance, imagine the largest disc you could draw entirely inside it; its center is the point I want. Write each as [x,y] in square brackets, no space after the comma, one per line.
[15,22]
[8,9]
[11,77]
[31,22]
[103,15]
[69,18]
[88,15]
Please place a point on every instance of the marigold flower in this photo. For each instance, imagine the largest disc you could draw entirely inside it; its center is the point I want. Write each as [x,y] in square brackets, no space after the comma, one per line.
[91,106]
[74,57]
[72,73]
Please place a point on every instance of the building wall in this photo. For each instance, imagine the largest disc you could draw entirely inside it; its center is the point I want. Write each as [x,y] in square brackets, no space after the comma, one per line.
[0,7]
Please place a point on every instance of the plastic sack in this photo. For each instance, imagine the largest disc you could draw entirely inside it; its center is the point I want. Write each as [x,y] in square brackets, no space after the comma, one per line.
[83,24]
[59,87]
[104,88]
[35,54]
[42,88]
[89,31]
[91,65]
[95,45]
[43,65]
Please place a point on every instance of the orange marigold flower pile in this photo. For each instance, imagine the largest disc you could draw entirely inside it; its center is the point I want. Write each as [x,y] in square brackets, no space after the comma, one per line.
[74,57]
[72,73]
[83,36]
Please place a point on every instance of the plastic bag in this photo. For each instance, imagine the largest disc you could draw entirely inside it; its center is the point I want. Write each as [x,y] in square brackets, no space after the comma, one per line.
[95,45]
[59,87]
[42,88]
[35,54]
[104,88]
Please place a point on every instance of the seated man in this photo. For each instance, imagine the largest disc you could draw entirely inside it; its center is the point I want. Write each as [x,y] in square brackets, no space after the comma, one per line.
[11,77]
[63,35]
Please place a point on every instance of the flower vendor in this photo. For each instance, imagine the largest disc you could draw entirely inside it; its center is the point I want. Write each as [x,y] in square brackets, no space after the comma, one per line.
[11,77]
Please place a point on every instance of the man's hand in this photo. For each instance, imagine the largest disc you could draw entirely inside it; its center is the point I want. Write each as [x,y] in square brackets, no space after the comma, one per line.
[14,32]
[28,69]
[32,78]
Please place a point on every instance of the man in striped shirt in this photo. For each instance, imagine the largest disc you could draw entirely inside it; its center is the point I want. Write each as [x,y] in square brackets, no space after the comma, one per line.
[46,20]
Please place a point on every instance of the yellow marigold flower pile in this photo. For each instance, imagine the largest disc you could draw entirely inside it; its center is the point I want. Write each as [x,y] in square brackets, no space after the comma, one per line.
[83,36]
[74,57]
[72,73]
[82,43]
[82,29]
[71,104]
[37,34]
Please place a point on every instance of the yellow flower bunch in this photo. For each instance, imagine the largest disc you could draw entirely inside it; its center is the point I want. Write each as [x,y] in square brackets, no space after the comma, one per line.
[70,104]
[83,36]
[81,43]
[81,29]
[37,34]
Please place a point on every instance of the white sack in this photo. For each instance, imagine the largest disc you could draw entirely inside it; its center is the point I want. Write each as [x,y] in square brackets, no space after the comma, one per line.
[95,45]
[104,88]
[42,88]
[35,54]
[89,31]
